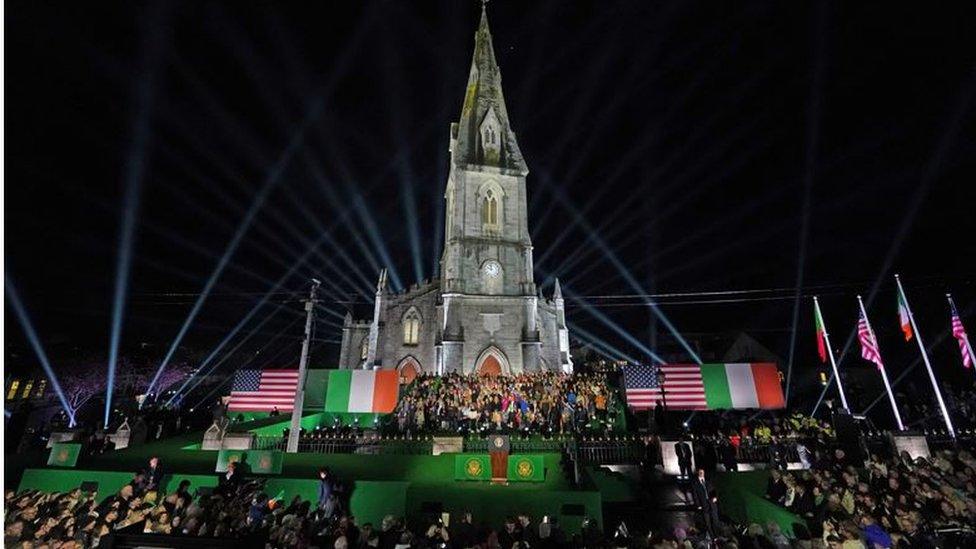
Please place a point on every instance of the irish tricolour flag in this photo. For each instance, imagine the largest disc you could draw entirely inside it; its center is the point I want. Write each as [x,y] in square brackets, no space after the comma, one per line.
[362,391]
[904,316]
[740,385]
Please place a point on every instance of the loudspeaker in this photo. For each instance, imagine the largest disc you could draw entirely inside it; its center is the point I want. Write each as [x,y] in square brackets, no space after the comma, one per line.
[573,510]
[849,437]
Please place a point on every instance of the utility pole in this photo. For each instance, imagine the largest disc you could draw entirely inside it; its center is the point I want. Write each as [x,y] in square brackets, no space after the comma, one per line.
[296,411]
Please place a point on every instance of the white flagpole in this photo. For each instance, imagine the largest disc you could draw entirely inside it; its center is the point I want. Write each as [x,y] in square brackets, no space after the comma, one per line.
[969,345]
[884,374]
[925,358]
[830,353]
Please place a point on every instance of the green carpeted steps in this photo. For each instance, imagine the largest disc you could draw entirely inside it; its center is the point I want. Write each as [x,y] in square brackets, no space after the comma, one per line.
[613,487]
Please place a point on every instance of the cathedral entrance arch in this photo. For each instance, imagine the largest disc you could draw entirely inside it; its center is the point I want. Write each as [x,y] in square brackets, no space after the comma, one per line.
[408,370]
[492,362]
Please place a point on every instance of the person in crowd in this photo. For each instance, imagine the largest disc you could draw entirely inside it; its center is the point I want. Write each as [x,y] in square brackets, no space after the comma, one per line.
[152,475]
[437,533]
[530,535]
[231,480]
[325,486]
[463,532]
[729,459]
[510,534]
[775,487]
[683,452]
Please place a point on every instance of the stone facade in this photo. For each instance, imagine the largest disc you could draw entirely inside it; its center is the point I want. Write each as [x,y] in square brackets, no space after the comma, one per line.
[484,315]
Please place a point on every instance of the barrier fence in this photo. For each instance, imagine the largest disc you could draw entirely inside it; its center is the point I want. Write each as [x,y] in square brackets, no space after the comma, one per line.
[346,445]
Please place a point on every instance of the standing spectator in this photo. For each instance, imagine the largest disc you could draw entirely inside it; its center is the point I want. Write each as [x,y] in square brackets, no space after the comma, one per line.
[231,480]
[152,475]
[683,452]
[530,538]
[325,487]
[463,532]
[729,459]
[510,534]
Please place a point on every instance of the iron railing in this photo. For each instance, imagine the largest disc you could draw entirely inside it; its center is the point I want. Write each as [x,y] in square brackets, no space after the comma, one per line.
[610,452]
[347,445]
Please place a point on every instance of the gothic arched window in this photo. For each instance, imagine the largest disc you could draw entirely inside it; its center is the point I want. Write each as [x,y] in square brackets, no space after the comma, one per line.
[364,349]
[489,209]
[411,327]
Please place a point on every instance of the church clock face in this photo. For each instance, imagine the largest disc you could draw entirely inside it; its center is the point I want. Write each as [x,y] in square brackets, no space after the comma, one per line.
[492,269]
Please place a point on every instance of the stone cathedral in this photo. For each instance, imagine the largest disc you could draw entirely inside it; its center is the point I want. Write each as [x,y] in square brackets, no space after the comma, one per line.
[484,315]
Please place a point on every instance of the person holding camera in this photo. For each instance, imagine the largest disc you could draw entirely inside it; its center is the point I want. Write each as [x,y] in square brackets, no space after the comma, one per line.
[437,534]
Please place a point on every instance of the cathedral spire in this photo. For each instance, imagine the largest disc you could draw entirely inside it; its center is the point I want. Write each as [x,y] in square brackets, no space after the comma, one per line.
[484,134]
[557,293]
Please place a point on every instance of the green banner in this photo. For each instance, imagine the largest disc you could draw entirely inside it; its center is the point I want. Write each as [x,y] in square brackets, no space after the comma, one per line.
[262,462]
[231,456]
[64,454]
[526,468]
[472,467]
[265,462]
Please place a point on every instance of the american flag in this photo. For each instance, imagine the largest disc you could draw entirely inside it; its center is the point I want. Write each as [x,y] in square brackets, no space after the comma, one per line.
[869,345]
[682,385]
[263,390]
[960,334]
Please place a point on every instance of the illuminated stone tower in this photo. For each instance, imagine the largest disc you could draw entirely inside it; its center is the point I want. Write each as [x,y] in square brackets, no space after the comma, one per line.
[484,315]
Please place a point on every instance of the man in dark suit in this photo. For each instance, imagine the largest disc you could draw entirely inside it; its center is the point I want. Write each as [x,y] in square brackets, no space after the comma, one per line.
[705,501]
[231,480]
[683,451]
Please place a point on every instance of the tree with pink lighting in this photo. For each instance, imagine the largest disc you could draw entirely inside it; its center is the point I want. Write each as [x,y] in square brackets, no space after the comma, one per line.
[87,379]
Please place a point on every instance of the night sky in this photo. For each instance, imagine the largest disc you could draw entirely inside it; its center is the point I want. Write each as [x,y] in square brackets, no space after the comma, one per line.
[691,142]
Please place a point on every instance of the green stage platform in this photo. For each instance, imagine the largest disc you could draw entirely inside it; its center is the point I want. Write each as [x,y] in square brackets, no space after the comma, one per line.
[400,485]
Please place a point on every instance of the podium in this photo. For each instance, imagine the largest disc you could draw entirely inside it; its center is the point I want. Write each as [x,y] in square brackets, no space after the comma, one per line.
[498,449]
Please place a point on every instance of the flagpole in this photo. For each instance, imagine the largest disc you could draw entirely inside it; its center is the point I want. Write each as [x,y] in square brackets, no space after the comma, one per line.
[925,358]
[884,374]
[830,353]
[969,345]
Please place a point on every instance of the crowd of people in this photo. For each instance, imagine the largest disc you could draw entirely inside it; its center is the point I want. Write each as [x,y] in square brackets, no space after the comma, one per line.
[891,502]
[540,403]
[240,508]
[924,413]
[731,438]
[236,508]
